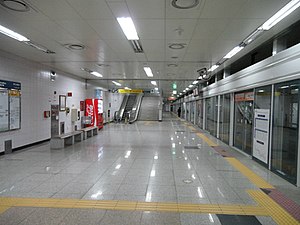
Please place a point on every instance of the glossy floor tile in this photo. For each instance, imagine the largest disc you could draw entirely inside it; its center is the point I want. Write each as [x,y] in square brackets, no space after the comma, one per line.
[136,164]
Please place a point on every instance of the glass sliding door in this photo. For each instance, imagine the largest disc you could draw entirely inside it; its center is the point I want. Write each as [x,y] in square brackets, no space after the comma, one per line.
[225,118]
[285,130]
[243,121]
[199,119]
[192,112]
[261,125]
[211,114]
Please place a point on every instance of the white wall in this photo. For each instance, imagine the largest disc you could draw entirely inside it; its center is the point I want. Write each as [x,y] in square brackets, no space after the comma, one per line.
[37,96]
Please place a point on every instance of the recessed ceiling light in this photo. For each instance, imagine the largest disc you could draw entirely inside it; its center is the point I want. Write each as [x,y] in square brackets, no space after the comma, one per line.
[13,34]
[233,52]
[184,4]
[148,71]
[153,82]
[172,65]
[213,68]
[96,74]
[281,14]
[103,65]
[77,47]
[128,28]
[116,83]
[177,46]
[127,88]
[15,5]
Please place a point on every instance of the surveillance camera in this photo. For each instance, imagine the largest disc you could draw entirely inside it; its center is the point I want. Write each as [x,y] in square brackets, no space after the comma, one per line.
[53,73]
[202,71]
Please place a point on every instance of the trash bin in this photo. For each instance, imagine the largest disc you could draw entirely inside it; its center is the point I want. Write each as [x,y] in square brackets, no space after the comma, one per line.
[8,146]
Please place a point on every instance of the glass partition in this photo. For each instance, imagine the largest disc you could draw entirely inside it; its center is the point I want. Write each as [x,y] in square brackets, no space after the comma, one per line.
[199,119]
[243,121]
[285,130]
[225,117]
[211,115]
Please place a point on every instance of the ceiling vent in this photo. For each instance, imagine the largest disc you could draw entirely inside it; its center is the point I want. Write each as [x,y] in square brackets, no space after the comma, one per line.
[136,45]
[185,4]
[15,5]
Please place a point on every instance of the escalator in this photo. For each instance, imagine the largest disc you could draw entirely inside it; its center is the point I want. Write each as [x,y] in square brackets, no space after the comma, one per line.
[129,109]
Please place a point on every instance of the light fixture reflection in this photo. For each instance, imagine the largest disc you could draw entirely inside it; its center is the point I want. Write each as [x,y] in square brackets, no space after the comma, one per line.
[128,153]
[96,195]
[152,174]
[200,194]
[118,166]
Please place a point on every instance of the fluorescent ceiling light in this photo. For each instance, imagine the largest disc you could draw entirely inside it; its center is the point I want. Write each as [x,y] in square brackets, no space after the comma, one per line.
[174,92]
[156,89]
[195,82]
[213,68]
[282,13]
[116,83]
[127,88]
[96,74]
[187,89]
[190,86]
[233,52]
[12,34]
[153,82]
[128,28]
[184,91]
[148,71]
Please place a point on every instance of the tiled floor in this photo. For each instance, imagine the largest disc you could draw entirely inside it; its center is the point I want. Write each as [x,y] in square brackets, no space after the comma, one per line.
[132,166]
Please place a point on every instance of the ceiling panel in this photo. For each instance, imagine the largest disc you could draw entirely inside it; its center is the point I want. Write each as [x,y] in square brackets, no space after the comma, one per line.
[208,31]
[107,29]
[150,28]
[178,29]
[91,9]
[79,29]
[258,9]
[216,9]
[55,9]
[239,29]
[155,9]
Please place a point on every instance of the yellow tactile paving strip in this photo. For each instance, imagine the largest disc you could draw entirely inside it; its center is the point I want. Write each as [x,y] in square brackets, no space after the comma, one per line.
[6,203]
[254,178]
[279,215]
[266,206]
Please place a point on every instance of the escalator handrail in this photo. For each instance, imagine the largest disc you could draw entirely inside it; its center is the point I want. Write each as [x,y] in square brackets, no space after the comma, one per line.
[122,108]
[134,113]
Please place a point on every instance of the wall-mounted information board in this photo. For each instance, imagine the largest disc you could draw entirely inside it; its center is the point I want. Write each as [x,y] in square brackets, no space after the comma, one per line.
[10,105]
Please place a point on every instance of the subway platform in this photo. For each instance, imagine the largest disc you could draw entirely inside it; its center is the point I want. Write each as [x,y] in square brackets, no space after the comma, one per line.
[148,172]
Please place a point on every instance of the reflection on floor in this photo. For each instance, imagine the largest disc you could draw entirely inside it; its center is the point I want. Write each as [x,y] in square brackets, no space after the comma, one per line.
[144,173]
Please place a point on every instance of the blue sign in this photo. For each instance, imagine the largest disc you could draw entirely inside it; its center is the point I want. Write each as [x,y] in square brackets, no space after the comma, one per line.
[10,84]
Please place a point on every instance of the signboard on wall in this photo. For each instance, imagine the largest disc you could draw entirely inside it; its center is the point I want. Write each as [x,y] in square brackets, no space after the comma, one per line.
[261,134]
[241,97]
[133,91]
[10,105]
[4,116]
[14,110]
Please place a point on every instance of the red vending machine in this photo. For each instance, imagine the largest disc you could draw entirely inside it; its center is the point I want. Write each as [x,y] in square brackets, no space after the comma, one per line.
[94,110]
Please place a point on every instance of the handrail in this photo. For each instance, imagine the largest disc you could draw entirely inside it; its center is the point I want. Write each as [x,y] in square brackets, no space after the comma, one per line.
[122,108]
[133,114]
